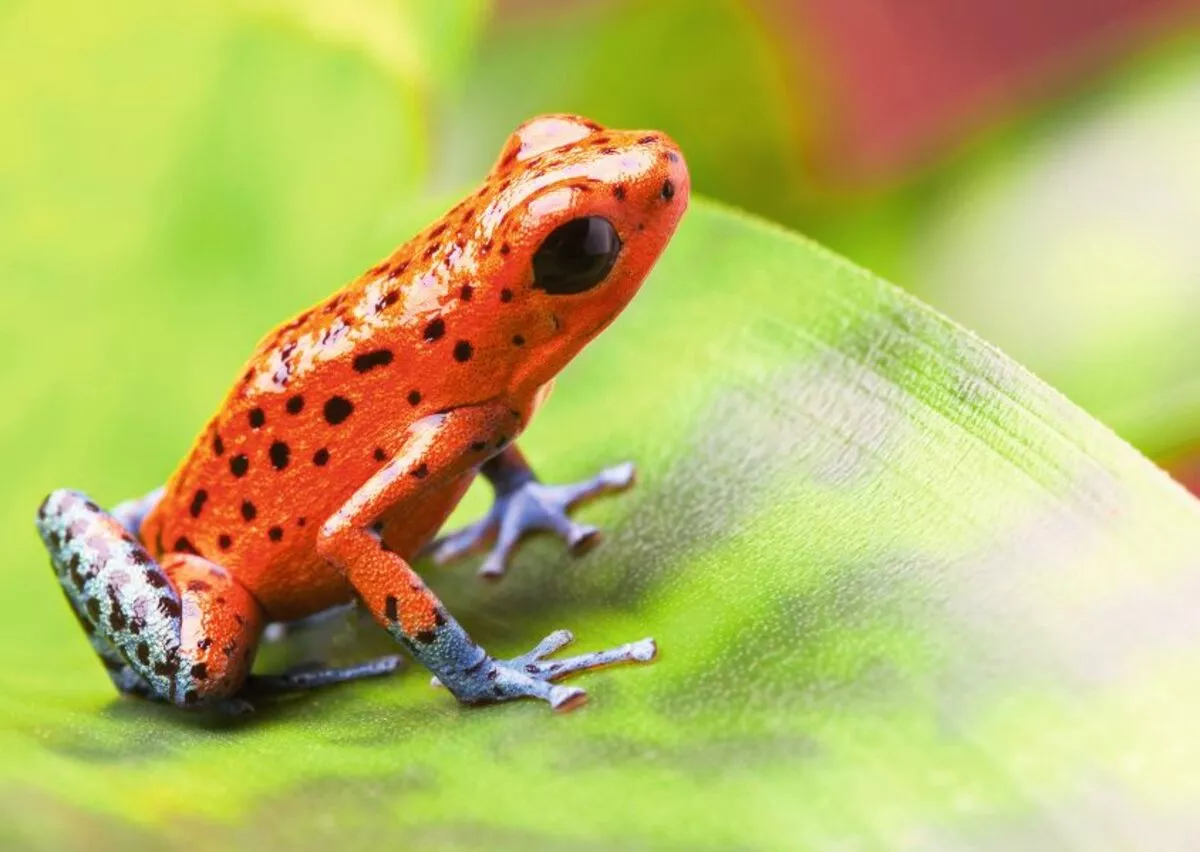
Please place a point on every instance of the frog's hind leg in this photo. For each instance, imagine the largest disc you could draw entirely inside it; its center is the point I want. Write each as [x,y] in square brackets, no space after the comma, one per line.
[183,631]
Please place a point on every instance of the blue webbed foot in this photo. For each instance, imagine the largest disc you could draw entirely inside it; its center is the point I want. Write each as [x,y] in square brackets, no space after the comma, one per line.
[532,674]
[526,507]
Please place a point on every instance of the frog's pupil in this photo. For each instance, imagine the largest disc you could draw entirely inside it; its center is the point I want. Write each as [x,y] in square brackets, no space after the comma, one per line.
[576,256]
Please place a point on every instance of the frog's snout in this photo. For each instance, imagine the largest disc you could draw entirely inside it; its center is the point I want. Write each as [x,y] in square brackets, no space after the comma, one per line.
[677,185]
[668,187]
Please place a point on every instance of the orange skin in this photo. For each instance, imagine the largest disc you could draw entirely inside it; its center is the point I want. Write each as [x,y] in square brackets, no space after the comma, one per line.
[365,418]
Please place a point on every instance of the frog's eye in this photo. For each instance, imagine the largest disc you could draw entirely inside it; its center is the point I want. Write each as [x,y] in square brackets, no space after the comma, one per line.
[576,256]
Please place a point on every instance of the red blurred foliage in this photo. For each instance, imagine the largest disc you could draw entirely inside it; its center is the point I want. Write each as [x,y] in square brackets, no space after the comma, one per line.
[901,79]
[1185,469]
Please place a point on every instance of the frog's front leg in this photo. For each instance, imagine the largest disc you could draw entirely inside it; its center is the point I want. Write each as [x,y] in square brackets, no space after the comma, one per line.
[183,631]
[524,505]
[436,451]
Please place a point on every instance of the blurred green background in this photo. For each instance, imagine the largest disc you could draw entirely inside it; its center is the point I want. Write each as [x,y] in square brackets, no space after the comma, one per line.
[1028,168]
[175,178]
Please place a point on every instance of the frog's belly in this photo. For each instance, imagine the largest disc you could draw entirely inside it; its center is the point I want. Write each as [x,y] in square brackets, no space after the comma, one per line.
[299,583]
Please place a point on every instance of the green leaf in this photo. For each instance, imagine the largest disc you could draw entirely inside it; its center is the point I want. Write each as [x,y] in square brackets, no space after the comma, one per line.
[1088,215]
[903,591]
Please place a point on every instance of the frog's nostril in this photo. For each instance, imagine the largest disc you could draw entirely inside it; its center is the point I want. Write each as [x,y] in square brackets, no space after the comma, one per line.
[668,190]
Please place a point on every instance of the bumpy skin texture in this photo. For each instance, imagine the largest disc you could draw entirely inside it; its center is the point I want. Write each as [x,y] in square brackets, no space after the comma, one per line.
[358,425]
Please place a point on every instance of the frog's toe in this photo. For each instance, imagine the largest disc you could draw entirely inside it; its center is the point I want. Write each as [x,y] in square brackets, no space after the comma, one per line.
[538,667]
[535,508]
[610,480]
[532,507]
[538,664]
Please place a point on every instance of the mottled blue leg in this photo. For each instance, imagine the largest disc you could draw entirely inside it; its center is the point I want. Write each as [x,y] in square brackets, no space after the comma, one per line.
[182,631]
[524,505]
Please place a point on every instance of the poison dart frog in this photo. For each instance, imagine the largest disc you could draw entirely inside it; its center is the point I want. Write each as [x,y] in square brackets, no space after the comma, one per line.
[357,426]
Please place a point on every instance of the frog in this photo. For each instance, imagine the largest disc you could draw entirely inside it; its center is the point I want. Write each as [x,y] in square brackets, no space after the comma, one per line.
[357,426]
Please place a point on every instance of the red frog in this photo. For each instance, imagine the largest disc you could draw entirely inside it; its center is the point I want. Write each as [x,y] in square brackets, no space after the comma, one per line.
[358,425]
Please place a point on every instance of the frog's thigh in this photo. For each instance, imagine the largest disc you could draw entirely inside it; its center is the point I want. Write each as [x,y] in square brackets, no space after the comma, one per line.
[219,627]
[183,631]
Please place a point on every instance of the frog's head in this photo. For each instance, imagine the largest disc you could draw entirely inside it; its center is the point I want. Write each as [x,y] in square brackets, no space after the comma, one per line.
[578,216]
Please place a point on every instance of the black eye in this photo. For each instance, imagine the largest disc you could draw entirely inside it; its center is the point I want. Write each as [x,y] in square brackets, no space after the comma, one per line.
[576,256]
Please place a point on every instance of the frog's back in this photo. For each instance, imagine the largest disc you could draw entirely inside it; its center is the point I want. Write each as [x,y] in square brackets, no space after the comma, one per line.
[322,404]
